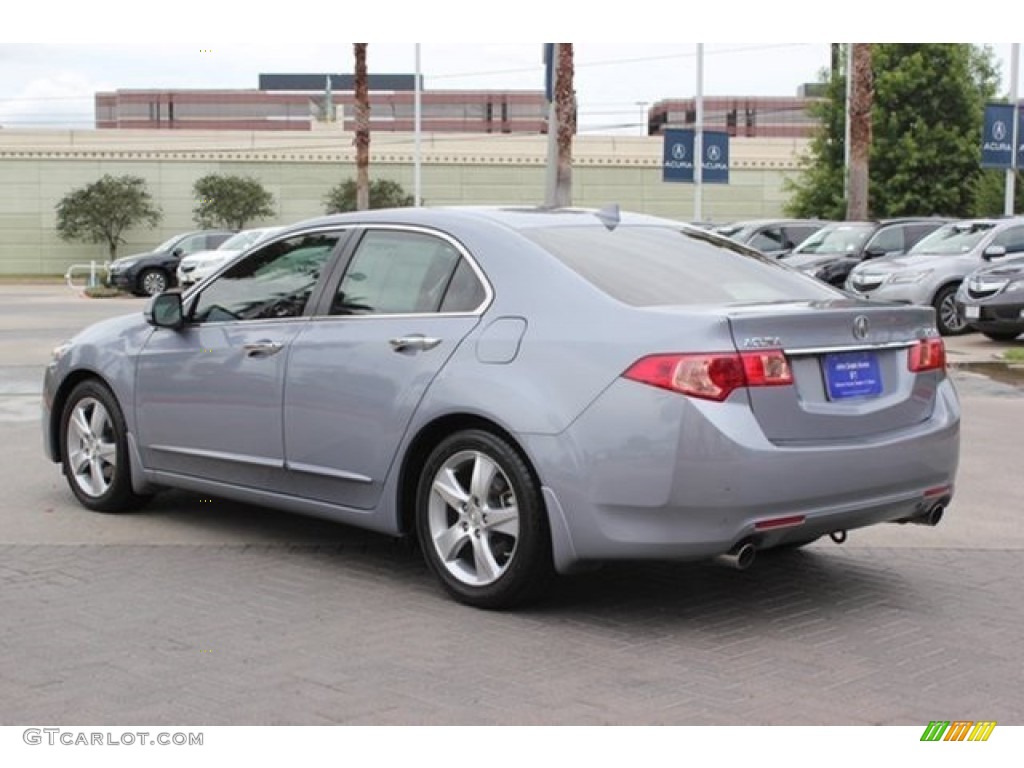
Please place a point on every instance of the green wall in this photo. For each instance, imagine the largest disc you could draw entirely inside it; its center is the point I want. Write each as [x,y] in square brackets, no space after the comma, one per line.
[31,187]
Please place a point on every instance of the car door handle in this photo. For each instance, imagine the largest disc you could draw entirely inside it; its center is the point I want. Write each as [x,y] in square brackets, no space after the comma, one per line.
[263,348]
[416,341]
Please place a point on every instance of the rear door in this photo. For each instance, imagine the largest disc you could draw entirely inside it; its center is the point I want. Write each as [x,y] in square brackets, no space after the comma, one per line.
[850,367]
[406,299]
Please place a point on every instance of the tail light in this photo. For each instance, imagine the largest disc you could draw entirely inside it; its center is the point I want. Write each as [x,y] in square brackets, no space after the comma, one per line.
[927,355]
[714,375]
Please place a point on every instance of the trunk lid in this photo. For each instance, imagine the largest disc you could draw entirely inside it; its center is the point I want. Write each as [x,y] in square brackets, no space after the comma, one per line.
[850,364]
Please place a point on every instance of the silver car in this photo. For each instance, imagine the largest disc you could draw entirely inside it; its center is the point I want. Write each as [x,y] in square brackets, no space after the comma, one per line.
[525,391]
[991,299]
[931,272]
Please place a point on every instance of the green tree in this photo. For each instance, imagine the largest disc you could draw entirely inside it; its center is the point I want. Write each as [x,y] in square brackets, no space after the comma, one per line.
[230,201]
[383,194]
[100,212]
[990,193]
[926,123]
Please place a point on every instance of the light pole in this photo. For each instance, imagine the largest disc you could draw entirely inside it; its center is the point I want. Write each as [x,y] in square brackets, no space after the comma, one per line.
[644,118]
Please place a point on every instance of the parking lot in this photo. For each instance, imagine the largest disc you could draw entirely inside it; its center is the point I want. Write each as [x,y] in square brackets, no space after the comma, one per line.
[208,611]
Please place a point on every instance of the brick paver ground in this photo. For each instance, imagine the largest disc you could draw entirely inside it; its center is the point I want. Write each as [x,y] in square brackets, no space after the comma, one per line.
[357,633]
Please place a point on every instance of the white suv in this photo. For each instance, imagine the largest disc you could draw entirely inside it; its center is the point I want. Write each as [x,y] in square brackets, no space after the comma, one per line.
[931,272]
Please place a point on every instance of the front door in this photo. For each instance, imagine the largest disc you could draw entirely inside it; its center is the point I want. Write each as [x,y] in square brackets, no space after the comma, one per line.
[209,396]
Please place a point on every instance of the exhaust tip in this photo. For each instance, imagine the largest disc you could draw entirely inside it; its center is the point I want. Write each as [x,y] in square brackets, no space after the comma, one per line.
[740,558]
[934,516]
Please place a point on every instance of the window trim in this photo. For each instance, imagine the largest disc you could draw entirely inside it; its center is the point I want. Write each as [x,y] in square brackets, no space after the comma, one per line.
[359,231]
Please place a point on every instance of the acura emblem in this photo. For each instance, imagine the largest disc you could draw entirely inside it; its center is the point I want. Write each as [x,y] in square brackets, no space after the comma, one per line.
[860,327]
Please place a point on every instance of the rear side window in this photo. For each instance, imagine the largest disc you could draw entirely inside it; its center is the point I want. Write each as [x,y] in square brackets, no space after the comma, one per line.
[661,266]
[398,272]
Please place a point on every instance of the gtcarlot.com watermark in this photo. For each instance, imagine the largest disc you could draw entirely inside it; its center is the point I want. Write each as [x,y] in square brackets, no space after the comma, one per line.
[55,736]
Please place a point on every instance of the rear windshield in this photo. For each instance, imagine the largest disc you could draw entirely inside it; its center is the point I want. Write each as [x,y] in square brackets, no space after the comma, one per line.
[649,266]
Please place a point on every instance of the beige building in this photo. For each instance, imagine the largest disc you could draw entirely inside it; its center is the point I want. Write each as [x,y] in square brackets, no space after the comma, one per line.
[37,168]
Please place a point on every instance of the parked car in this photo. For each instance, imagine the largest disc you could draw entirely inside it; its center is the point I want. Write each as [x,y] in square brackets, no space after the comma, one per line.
[833,251]
[772,237]
[527,391]
[991,299]
[154,272]
[931,273]
[199,266]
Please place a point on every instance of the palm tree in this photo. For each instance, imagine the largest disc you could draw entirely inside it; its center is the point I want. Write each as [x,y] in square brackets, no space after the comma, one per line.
[861,95]
[362,130]
[565,113]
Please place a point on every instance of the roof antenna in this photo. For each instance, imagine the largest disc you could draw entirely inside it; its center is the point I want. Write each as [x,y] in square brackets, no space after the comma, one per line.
[609,216]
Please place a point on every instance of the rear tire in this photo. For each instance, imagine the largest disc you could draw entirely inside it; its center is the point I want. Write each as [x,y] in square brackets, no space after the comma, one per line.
[94,450]
[481,521]
[948,318]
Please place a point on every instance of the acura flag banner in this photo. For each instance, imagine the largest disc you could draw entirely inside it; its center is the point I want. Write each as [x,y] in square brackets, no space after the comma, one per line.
[677,162]
[997,137]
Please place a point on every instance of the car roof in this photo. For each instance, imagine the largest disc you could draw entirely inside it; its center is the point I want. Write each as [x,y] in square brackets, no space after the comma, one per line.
[513,217]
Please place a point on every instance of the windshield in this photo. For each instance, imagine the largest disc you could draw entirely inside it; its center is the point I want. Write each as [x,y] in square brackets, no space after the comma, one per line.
[959,237]
[243,240]
[843,238]
[166,245]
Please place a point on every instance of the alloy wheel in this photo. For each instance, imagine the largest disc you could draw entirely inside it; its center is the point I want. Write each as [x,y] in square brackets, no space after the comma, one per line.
[92,447]
[473,518]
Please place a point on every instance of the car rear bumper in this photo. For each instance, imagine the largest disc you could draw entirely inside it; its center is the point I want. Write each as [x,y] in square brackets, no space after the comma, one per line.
[659,476]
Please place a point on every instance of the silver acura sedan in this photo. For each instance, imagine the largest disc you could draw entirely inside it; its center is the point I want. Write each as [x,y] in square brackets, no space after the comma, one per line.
[525,391]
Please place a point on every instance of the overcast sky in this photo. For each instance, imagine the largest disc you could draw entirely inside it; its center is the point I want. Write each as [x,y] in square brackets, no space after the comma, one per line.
[51,84]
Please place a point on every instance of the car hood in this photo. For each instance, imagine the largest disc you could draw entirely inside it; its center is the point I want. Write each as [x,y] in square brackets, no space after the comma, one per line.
[1007,269]
[810,260]
[907,263]
[125,259]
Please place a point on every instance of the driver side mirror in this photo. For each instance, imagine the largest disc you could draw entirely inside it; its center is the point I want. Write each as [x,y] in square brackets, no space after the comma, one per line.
[993,252]
[178,252]
[874,253]
[164,311]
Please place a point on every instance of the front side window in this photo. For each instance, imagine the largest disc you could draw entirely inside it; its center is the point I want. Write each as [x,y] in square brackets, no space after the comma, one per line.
[273,281]
[399,272]
[1011,239]
[192,244]
[797,234]
[889,239]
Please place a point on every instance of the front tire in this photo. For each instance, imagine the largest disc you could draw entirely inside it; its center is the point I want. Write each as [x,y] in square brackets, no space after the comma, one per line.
[948,318]
[153,282]
[481,521]
[94,450]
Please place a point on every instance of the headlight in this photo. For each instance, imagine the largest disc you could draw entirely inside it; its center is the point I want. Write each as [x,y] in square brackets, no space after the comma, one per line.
[117,266]
[59,351]
[1016,285]
[909,277]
